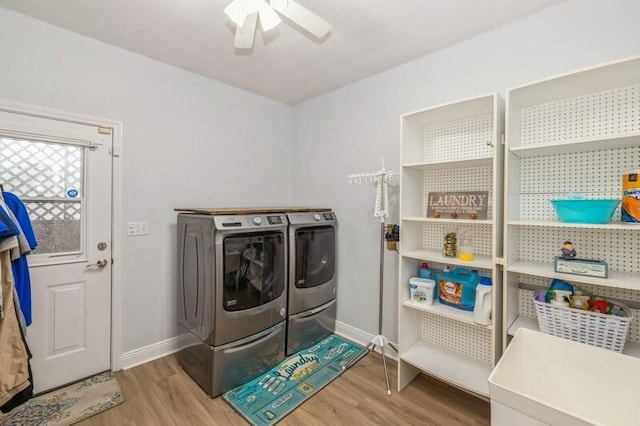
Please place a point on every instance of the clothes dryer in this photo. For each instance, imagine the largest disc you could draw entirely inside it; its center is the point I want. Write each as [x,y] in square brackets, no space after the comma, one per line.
[312,278]
[232,293]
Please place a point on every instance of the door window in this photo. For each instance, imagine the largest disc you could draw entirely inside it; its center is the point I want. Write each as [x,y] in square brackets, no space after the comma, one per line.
[315,256]
[49,178]
[253,269]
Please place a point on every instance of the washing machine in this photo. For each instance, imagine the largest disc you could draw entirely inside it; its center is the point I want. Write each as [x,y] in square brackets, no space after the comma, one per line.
[312,278]
[232,296]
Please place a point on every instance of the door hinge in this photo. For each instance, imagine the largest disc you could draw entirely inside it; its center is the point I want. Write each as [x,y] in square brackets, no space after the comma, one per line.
[105,130]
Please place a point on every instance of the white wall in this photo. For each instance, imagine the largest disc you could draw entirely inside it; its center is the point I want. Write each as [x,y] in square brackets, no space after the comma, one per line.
[183,136]
[188,142]
[345,131]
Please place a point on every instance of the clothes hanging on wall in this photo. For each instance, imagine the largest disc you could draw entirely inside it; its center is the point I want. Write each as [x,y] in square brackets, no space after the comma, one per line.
[15,373]
[27,242]
[16,240]
[7,230]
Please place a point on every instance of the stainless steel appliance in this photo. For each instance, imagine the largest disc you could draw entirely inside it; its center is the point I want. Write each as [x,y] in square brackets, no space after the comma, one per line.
[312,278]
[232,272]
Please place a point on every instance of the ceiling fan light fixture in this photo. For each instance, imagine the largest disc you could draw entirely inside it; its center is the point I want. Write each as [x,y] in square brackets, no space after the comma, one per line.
[245,13]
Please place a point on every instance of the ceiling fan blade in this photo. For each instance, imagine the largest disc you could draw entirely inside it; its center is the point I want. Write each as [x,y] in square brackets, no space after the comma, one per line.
[302,16]
[246,33]
[235,11]
[269,19]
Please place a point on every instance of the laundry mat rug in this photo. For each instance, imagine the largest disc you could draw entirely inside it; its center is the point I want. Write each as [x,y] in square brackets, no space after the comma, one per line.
[268,398]
[68,405]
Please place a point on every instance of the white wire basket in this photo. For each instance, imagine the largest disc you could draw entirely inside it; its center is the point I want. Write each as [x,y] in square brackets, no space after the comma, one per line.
[593,328]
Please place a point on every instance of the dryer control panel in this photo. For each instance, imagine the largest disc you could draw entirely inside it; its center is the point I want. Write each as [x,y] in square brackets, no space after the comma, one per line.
[250,221]
[311,218]
[275,220]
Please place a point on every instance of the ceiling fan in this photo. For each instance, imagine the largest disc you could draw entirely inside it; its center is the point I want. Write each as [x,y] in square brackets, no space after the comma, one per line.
[245,14]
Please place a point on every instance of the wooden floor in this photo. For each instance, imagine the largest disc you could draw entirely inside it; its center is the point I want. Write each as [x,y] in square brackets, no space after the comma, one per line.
[160,393]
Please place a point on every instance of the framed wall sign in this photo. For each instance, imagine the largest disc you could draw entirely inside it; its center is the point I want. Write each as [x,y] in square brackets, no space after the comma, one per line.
[458,205]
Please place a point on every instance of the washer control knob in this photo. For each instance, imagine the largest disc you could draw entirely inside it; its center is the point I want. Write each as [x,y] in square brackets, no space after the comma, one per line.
[316,217]
[257,220]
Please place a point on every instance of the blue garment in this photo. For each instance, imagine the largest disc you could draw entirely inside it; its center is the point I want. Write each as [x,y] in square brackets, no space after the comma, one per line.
[20,266]
[20,211]
[7,227]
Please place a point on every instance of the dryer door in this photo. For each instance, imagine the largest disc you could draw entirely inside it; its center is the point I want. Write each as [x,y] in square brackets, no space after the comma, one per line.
[315,256]
[313,271]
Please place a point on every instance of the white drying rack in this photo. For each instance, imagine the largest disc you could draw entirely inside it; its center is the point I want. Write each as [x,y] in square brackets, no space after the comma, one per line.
[382,178]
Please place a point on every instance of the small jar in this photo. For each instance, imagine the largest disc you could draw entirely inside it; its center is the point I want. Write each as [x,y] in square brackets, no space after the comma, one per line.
[450,245]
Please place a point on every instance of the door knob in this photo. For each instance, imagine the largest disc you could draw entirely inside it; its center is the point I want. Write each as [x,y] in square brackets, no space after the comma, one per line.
[100,264]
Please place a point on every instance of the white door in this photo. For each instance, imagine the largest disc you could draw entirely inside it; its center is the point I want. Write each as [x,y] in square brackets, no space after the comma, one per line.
[62,172]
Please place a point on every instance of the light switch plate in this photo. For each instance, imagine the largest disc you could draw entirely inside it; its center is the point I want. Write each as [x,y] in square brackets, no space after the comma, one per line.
[137,228]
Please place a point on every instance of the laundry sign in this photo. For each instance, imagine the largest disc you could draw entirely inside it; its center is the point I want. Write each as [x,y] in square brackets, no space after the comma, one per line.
[458,205]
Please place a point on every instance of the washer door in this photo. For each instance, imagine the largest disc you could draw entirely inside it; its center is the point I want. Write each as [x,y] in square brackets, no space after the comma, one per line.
[315,256]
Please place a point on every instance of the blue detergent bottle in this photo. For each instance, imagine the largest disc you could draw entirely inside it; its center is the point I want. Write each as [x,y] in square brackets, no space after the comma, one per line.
[425,272]
[457,288]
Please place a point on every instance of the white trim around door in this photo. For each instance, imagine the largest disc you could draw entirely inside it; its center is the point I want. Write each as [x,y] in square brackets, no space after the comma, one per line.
[116,226]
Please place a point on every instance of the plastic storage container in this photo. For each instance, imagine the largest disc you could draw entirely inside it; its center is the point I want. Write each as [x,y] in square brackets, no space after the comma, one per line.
[457,288]
[585,211]
[422,290]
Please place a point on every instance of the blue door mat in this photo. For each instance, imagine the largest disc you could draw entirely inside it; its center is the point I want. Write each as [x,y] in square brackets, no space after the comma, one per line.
[268,398]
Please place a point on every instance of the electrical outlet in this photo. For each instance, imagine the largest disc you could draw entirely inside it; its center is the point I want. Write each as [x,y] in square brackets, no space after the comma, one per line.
[137,228]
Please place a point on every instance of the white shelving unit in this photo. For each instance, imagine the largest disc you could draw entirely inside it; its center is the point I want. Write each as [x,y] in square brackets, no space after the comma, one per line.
[450,148]
[576,133]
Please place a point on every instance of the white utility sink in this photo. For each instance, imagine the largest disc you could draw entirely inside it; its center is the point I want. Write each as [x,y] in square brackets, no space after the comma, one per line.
[547,380]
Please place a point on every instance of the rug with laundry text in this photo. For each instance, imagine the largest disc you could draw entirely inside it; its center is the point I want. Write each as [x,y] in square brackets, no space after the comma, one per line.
[268,398]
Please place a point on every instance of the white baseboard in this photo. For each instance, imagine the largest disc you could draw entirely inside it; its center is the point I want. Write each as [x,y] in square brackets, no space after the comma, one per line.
[167,347]
[361,337]
[154,351]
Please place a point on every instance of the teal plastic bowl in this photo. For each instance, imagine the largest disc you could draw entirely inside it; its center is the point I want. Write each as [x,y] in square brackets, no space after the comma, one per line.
[585,211]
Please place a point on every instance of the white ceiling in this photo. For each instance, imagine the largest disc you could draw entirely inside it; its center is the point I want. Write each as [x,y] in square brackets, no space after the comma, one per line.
[286,64]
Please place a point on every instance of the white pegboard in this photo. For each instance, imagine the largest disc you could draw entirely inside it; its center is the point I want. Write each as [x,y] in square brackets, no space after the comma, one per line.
[459,140]
[525,303]
[434,233]
[459,180]
[527,309]
[468,339]
[594,174]
[594,115]
[619,248]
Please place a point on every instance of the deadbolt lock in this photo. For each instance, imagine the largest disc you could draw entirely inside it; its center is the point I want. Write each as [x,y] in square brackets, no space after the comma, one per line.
[102,246]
